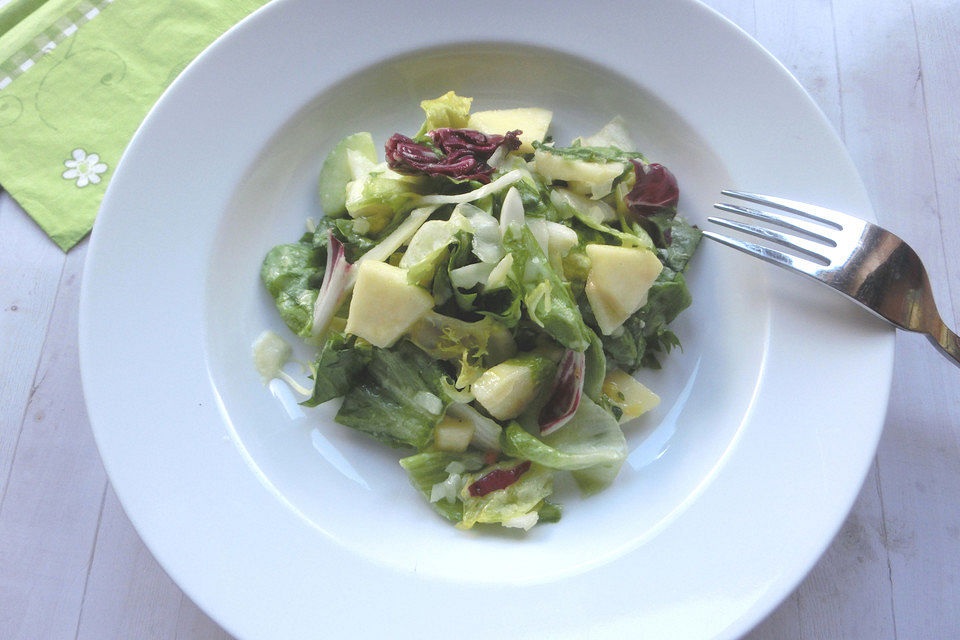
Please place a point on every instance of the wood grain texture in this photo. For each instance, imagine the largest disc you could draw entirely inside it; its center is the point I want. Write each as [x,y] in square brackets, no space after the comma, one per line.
[937,24]
[918,470]
[128,595]
[30,271]
[52,498]
[886,73]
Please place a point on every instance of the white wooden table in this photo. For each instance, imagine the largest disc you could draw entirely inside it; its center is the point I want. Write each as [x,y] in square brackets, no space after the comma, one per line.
[887,75]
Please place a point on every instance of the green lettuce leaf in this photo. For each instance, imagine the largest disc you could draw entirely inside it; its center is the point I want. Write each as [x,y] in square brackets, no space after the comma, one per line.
[378,198]
[684,239]
[645,334]
[398,398]
[586,213]
[471,346]
[590,154]
[291,273]
[429,468]
[503,304]
[446,296]
[547,298]
[449,110]
[517,500]
[337,368]
[354,244]
[592,437]
[549,511]
[675,238]
[596,369]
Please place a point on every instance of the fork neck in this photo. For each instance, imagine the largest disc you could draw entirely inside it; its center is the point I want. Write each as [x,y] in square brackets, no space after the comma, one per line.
[946,341]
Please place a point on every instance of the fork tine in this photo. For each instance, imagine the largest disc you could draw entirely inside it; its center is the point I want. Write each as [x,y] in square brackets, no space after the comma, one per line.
[813,249]
[767,254]
[815,231]
[826,216]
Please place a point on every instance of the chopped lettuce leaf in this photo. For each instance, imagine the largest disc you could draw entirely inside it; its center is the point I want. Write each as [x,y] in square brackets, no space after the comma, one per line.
[594,214]
[549,511]
[448,111]
[290,273]
[486,233]
[376,198]
[590,154]
[613,134]
[384,401]
[684,239]
[443,287]
[471,346]
[592,437]
[355,244]
[337,368]
[515,501]
[430,468]
[596,369]
[547,298]
[591,442]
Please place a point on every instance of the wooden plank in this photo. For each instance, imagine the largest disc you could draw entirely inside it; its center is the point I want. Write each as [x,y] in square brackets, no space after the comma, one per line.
[937,25]
[800,35]
[48,520]
[128,595]
[919,478]
[193,624]
[31,266]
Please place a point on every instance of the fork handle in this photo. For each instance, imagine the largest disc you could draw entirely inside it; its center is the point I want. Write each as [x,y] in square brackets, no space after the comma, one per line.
[947,342]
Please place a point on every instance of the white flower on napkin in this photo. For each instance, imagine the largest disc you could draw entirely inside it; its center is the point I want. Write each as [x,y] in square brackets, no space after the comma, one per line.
[84,168]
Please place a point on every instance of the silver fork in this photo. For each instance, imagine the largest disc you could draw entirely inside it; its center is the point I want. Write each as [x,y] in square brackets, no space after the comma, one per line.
[866,263]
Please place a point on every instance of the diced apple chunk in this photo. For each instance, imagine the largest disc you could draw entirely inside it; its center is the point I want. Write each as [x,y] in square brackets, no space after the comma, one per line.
[506,389]
[531,121]
[594,178]
[384,304]
[618,281]
[453,434]
[627,393]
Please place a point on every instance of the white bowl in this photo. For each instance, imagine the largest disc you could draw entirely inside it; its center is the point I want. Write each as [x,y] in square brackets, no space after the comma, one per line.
[281,523]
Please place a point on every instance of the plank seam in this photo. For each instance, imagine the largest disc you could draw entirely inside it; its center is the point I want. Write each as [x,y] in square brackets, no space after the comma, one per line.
[886,548]
[34,386]
[933,164]
[93,552]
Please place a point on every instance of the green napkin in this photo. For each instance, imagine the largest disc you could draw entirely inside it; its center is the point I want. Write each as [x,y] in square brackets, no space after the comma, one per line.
[76,79]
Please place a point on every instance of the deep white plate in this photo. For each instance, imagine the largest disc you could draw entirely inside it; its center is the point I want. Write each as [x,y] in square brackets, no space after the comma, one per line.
[281,526]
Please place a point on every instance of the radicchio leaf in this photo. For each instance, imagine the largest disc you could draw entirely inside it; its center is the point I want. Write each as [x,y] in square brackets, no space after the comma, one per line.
[654,192]
[498,479]
[655,189]
[460,154]
[565,394]
[336,284]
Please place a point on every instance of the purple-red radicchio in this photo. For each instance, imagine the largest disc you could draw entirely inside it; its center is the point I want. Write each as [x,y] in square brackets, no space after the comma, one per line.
[461,154]
[655,189]
[564,399]
[497,479]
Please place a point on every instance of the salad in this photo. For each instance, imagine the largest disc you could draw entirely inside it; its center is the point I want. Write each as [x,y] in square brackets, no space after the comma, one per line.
[480,297]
